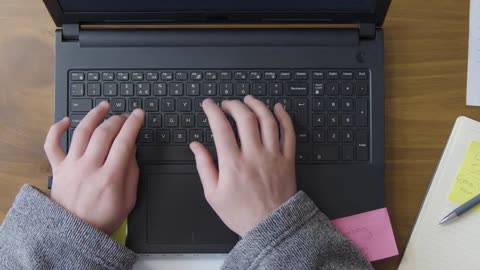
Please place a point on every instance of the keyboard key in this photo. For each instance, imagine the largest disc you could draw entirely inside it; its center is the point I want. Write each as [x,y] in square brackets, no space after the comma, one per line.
[318,104]
[118,105]
[126,89]
[143,89]
[318,75]
[259,89]
[255,75]
[301,75]
[301,119]
[226,89]
[93,89]
[347,89]
[137,76]
[77,76]
[302,136]
[162,135]
[240,75]
[110,89]
[184,105]
[347,104]
[151,105]
[347,135]
[318,89]
[134,103]
[99,100]
[318,135]
[301,104]
[325,152]
[196,76]
[285,75]
[211,76]
[361,112]
[168,105]
[93,76]
[154,120]
[286,102]
[209,89]
[276,89]
[242,89]
[302,157]
[122,76]
[225,75]
[145,136]
[297,89]
[76,119]
[80,105]
[188,120]
[332,89]
[318,120]
[347,75]
[202,120]
[193,89]
[166,76]
[347,120]
[270,75]
[152,76]
[197,104]
[209,136]
[362,89]
[269,102]
[77,89]
[333,120]
[332,104]
[171,120]
[181,76]
[196,135]
[159,89]
[333,136]
[362,145]
[332,75]
[108,76]
[361,75]
[179,136]
[176,89]
[347,152]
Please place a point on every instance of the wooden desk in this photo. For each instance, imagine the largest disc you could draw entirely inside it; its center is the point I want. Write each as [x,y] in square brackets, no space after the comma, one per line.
[425,78]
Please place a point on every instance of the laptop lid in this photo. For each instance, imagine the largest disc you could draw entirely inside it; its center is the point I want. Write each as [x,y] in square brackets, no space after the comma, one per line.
[217,11]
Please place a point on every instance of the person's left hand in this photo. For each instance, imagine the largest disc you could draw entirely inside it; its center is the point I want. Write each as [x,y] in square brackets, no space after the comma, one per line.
[97,180]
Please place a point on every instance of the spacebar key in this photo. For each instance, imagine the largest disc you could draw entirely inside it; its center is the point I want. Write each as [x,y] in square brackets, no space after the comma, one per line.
[151,153]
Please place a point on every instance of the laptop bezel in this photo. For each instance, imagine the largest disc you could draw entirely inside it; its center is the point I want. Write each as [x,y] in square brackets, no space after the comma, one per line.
[230,17]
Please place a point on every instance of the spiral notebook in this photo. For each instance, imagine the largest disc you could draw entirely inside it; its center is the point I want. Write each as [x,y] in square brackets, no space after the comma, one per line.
[457,178]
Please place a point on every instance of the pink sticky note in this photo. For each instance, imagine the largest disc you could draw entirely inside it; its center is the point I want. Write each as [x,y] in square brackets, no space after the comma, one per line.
[371,232]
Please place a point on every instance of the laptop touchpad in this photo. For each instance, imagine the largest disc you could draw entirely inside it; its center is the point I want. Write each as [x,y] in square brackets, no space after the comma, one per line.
[178,214]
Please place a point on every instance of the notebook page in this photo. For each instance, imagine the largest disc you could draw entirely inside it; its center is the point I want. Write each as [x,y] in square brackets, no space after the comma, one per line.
[452,246]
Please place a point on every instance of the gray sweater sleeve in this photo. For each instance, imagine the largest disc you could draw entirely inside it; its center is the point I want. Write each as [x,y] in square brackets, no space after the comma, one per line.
[39,234]
[295,236]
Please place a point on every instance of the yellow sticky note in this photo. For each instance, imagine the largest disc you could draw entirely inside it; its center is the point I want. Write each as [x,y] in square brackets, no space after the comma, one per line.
[120,235]
[467,182]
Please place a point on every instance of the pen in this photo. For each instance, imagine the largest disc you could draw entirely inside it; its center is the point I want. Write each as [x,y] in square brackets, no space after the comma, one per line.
[461,209]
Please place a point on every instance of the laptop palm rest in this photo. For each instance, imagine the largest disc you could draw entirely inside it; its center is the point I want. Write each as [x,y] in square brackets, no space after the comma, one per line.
[179,215]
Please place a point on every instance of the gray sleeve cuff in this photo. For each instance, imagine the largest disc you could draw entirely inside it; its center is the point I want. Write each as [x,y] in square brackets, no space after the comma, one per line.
[39,225]
[295,236]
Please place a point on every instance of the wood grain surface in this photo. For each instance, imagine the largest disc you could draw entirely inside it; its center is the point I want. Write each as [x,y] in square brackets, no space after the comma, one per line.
[426,45]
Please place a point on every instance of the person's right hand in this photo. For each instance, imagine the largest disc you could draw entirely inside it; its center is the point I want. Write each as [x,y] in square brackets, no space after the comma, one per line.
[255,178]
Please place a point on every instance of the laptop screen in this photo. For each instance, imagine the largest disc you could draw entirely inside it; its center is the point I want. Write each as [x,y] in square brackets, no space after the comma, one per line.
[216,5]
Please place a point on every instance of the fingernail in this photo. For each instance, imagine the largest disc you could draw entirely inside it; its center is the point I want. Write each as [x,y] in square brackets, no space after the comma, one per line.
[138,112]
[193,147]
[65,119]
[205,101]
[104,104]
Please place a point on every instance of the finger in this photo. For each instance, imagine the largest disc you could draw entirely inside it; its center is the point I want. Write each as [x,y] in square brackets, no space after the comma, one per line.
[223,136]
[53,149]
[124,143]
[268,123]
[247,124]
[83,132]
[102,138]
[131,184]
[206,168]
[287,141]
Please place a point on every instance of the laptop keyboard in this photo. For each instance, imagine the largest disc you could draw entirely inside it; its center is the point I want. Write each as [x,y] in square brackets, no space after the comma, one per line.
[329,108]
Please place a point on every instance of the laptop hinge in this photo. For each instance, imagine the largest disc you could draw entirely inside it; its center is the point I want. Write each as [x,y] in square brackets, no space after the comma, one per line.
[71,32]
[367,30]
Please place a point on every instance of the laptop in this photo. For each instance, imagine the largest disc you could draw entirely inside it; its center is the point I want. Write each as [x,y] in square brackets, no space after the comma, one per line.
[323,60]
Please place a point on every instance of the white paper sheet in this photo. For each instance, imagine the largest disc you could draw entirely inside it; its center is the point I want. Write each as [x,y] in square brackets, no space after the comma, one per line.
[473,80]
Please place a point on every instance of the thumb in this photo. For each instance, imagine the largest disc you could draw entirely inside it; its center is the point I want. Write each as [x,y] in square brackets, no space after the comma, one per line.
[205,166]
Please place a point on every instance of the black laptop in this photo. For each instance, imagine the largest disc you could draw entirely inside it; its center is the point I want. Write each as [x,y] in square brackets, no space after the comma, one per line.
[329,77]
